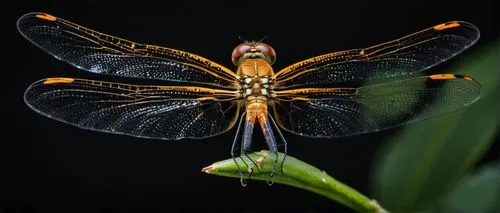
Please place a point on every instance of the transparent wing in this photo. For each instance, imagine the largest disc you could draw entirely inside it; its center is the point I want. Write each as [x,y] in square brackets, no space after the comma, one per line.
[162,112]
[398,58]
[338,112]
[105,54]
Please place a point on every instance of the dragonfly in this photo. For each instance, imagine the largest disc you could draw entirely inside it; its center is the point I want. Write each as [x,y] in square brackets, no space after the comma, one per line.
[337,94]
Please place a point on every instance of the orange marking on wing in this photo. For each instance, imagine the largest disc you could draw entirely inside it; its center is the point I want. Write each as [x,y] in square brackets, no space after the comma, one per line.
[446,25]
[301,99]
[467,78]
[442,76]
[59,80]
[197,89]
[46,17]
[205,98]
[311,90]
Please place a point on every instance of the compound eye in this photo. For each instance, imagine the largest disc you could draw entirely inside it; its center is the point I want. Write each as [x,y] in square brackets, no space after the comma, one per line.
[239,51]
[268,51]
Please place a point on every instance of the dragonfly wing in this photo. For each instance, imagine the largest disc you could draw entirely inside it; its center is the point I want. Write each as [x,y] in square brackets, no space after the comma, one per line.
[105,54]
[162,112]
[339,112]
[398,58]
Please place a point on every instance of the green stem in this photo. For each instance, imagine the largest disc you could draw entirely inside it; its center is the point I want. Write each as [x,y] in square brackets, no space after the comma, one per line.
[298,174]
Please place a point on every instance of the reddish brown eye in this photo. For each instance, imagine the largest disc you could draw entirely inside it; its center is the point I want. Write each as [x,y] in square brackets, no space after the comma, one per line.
[253,50]
[268,52]
[239,51]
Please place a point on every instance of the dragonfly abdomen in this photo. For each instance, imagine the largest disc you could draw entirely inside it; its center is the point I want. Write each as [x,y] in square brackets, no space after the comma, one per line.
[256,110]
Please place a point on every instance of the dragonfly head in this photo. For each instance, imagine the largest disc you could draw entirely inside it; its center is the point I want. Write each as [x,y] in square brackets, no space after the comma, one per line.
[253,50]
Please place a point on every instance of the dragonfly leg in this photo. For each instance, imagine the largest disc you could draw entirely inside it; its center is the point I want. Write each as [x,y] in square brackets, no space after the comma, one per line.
[233,150]
[282,139]
[250,168]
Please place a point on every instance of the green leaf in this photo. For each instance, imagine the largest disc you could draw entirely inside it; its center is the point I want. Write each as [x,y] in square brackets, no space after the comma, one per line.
[419,166]
[295,173]
[478,193]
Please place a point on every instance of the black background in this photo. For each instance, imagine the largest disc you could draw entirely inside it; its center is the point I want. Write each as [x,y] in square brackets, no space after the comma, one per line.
[48,165]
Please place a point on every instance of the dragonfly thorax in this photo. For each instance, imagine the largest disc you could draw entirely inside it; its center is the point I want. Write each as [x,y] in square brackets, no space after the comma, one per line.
[255,86]
[255,77]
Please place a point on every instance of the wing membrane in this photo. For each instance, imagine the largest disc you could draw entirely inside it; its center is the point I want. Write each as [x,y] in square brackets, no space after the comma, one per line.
[162,112]
[338,112]
[398,58]
[100,53]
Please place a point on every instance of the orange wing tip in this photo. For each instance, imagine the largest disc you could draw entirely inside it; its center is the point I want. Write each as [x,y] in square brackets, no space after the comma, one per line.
[46,17]
[442,76]
[447,25]
[58,81]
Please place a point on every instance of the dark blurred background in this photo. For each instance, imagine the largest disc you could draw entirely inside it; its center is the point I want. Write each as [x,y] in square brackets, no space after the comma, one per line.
[51,166]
